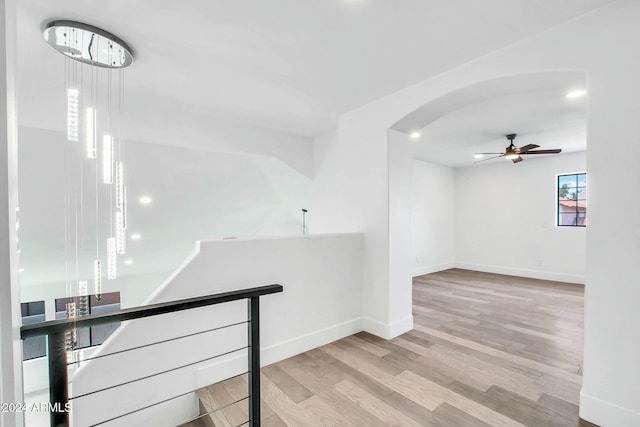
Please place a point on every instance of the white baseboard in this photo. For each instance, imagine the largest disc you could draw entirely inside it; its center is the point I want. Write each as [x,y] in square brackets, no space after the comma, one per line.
[533,274]
[428,269]
[388,331]
[606,414]
[282,350]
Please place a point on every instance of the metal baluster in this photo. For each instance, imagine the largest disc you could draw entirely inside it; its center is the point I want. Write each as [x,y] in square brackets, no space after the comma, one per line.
[254,361]
[58,378]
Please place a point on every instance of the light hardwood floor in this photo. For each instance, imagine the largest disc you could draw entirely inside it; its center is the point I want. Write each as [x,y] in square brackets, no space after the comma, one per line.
[486,351]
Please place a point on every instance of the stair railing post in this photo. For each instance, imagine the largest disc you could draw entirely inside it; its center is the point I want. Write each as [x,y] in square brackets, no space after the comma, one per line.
[58,379]
[254,361]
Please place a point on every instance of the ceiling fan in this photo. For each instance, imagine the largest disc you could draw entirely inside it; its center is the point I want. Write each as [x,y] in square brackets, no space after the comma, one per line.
[514,153]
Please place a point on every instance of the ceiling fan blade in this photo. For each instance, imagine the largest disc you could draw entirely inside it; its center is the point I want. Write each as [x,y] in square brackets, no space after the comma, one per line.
[528,147]
[490,158]
[488,153]
[554,151]
[517,159]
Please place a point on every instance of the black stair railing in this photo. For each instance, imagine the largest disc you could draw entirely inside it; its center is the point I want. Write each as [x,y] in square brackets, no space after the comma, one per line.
[56,331]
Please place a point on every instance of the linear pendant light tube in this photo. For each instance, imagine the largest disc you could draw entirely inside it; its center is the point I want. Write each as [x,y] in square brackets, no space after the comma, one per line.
[124,207]
[107,159]
[119,184]
[90,132]
[83,298]
[111,258]
[72,115]
[121,239]
[71,333]
[97,278]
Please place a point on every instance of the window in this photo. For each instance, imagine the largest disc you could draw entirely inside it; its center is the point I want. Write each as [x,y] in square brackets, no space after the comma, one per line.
[94,335]
[572,200]
[33,347]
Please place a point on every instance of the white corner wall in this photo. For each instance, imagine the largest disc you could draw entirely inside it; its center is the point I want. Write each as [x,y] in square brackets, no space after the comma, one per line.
[10,345]
[400,284]
[505,220]
[432,217]
[350,193]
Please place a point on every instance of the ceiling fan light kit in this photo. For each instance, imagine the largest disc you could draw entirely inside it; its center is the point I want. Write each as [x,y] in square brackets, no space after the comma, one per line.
[514,153]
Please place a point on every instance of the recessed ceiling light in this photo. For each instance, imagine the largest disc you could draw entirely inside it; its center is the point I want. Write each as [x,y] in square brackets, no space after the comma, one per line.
[415,135]
[478,156]
[20,270]
[145,200]
[576,93]
[128,261]
[135,236]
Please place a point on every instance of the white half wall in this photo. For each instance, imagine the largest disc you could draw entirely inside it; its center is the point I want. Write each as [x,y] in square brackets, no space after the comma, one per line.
[432,217]
[321,302]
[505,220]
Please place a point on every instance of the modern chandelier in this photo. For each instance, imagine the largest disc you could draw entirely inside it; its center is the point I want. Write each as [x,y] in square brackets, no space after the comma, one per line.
[94,92]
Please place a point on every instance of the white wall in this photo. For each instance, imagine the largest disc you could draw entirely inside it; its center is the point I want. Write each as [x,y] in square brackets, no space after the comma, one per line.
[350,193]
[459,217]
[400,280]
[321,302]
[432,217]
[505,219]
[10,351]
[197,194]
[610,393]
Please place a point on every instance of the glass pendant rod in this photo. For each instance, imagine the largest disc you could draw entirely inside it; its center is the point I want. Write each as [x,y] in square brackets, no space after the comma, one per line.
[107,159]
[119,184]
[111,258]
[90,130]
[121,239]
[97,278]
[124,207]
[71,333]
[83,298]
[72,114]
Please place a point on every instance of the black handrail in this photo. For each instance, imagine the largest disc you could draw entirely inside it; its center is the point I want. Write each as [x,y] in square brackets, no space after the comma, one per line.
[56,331]
[46,328]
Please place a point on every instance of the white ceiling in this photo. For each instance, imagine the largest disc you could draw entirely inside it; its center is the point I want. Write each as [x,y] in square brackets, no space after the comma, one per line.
[476,119]
[288,65]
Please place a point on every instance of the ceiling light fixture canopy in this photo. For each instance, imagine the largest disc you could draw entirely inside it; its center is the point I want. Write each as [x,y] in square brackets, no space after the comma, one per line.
[88,44]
